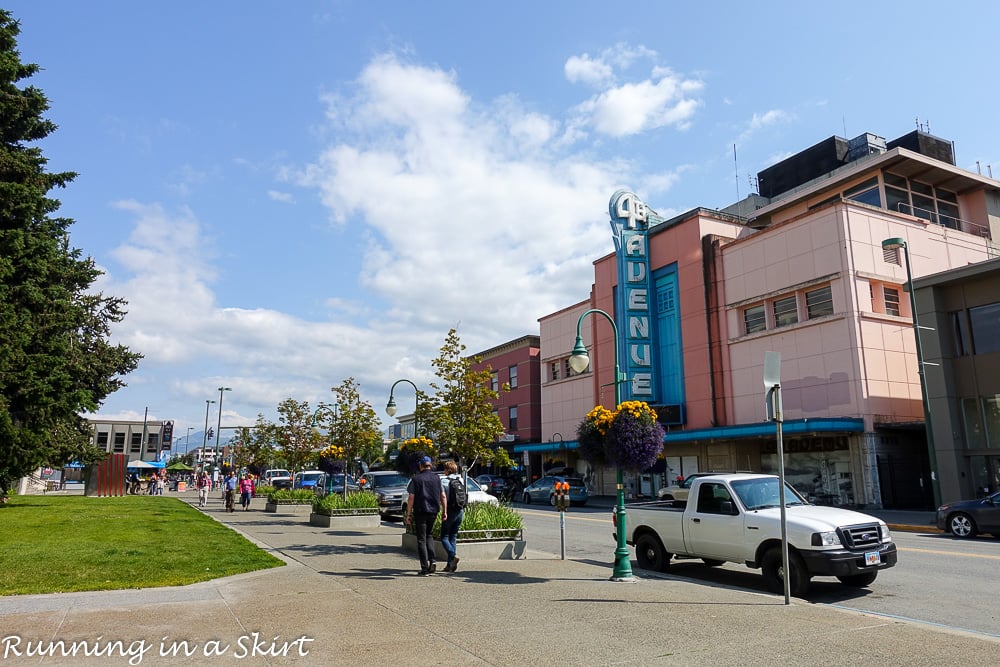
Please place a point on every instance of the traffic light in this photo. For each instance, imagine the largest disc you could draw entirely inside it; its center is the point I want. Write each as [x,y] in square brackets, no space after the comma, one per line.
[211,433]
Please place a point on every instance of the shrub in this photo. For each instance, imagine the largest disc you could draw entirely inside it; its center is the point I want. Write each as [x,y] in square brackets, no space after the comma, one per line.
[356,500]
[291,496]
[484,519]
[263,490]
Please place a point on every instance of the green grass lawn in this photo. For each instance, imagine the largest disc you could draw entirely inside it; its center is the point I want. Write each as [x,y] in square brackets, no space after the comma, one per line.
[54,544]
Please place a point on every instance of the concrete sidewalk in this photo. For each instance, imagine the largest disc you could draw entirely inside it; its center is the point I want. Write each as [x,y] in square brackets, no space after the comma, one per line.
[353,597]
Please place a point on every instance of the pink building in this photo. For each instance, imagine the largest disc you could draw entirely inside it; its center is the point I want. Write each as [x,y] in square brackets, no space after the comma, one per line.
[700,298]
[514,373]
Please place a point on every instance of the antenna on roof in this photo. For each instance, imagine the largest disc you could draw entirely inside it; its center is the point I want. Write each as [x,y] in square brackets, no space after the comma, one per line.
[736,166]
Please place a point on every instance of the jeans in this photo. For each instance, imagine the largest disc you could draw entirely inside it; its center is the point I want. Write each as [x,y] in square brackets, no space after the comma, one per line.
[423,525]
[449,534]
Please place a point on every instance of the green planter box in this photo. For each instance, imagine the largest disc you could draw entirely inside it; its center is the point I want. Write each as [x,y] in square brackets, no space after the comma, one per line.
[362,518]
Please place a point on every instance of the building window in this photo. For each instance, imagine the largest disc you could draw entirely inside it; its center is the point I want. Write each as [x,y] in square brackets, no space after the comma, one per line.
[120,442]
[512,419]
[494,381]
[985,323]
[554,370]
[136,445]
[152,441]
[921,200]
[991,415]
[891,297]
[785,311]
[866,193]
[960,334]
[567,369]
[819,302]
[512,371]
[973,424]
[102,440]
[754,319]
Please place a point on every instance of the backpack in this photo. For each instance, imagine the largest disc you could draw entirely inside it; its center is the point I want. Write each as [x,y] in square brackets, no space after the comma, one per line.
[458,495]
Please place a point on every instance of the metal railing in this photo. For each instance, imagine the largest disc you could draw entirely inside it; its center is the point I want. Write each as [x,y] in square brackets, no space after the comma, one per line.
[951,222]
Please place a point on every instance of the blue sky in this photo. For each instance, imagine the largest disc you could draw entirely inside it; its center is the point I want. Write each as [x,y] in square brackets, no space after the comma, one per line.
[292,193]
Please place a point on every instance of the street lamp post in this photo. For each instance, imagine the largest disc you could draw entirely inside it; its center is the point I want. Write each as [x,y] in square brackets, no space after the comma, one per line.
[218,427]
[390,407]
[579,360]
[187,440]
[562,445]
[204,434]
[893,244]
[335,411]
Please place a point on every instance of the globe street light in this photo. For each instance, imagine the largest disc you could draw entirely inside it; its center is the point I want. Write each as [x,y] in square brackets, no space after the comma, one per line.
[390,407]
[218,427]
[579,360]
[893,244]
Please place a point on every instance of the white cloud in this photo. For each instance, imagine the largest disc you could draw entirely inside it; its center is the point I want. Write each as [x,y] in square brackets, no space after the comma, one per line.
[661,98]
[760,121]
[283,197]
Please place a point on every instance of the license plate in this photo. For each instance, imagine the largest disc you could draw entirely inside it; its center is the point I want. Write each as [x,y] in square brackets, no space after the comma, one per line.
[871,558]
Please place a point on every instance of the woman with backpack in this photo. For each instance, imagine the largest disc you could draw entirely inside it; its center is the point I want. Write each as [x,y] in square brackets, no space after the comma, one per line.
[457,496]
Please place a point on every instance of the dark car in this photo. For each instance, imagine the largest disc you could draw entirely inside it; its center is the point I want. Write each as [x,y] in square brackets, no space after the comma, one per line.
[390,488]
[967,518]
[327,484]
[494,485]
[543,490]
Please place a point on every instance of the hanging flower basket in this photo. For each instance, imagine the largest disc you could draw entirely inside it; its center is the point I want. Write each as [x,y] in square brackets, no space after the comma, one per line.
[630,437]
[410,453]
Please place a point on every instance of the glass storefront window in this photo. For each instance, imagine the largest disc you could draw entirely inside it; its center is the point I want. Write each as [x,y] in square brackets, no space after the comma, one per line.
[973,424]
[991,415]
[985,321]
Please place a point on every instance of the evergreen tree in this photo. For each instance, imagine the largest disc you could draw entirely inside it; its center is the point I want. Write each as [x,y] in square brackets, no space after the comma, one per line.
[55,357]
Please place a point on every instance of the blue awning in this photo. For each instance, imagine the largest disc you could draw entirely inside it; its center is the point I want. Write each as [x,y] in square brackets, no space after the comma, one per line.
[767,429]
[546,446]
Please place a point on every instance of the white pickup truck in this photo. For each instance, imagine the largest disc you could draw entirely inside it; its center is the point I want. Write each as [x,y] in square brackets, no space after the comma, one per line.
[737,518]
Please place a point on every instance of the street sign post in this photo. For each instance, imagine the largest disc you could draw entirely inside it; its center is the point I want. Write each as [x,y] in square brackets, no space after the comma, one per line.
[772,404]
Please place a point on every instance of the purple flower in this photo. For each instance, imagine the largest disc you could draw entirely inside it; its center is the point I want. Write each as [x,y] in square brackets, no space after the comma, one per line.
[633,443]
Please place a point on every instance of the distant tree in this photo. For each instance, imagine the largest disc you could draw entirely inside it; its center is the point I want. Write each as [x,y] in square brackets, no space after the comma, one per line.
[459,416]
[352,424]
[254,447]
[55,358]
[297,439]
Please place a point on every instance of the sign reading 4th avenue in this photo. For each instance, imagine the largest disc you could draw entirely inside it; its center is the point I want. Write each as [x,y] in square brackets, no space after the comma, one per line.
[630,220]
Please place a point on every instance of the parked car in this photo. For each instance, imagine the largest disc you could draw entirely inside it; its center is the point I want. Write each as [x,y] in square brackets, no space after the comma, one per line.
[306,479]
[475,491]
[279,478]
[390,488]
[681,490]
[334,483]
[494,485]
[968,518]
[543,490]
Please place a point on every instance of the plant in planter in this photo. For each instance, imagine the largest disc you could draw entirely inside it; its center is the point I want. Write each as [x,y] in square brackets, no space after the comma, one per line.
[263,491]
[333,504]
[630,437]
[487,531]
[291,497]
[410,453]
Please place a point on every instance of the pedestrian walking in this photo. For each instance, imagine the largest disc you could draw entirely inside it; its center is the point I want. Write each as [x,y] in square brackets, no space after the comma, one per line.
[230,491]
[161,483]
[246,491]
[457,497]
[204,485]
[426,499]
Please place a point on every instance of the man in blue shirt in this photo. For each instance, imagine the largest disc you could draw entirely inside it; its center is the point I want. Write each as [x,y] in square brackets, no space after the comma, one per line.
[230,486]
[426,499]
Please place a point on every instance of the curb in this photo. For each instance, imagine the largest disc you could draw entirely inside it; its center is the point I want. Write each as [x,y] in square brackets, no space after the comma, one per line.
[908,528]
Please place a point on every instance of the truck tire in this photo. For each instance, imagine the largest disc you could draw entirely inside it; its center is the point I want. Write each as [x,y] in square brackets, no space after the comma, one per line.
[773,576]
[650,554]
[858,580]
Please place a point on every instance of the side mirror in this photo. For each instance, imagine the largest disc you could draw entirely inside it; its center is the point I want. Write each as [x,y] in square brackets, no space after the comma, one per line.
[726,507]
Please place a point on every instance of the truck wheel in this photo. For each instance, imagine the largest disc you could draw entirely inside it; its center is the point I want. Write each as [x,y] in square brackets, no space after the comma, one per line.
[650,554]
[711,562]
[774,576]
[859,580]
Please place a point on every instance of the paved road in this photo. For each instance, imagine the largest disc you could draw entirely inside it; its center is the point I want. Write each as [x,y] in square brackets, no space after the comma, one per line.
[938,579]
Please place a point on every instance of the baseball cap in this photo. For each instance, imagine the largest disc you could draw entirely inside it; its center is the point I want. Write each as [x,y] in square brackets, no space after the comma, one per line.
[425,461]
